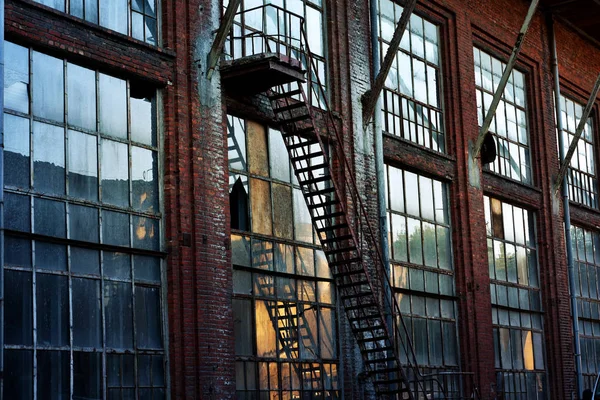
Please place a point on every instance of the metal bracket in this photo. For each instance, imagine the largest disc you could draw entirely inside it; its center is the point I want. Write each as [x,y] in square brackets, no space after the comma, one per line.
[584,117]
[369,99]
[485,127]
[217,47]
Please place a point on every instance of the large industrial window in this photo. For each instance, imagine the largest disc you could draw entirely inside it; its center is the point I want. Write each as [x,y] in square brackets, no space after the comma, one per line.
[509,125]
[136,18]
[581,176]
[283,29]
[284,299]
[412,101]
[516,302]
[422,267]
[586,253]
[83,276]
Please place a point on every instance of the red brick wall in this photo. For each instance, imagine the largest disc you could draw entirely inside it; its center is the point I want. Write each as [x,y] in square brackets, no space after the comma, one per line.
[201,348]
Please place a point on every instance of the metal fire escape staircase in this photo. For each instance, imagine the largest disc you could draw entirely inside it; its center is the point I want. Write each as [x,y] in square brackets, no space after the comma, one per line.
[346,235]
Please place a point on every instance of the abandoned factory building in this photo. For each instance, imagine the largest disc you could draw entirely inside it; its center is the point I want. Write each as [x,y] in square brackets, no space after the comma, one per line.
[299,199]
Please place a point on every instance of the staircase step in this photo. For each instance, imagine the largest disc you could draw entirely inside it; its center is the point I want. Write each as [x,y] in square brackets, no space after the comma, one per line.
[324,178]
[306,156]
[366,329]
[346,262]
[380,360]
[311,168]
[320,192]
[356,295]
[377,350]
[329,215]
[336,239]
[343,286]
[328,203]
[363,318]
[293,120]
[360,307]
[289,107]
[309,142]
[373,339]
[332,228]
[298,132]
[277,96]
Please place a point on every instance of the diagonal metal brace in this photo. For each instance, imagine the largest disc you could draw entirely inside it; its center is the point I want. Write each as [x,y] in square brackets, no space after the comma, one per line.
[502,85]
[217,47]
[578,132]
[369,99]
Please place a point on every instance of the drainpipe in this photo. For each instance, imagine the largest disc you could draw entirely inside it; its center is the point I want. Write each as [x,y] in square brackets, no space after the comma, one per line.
[566,212]
[1,198]
[380,166]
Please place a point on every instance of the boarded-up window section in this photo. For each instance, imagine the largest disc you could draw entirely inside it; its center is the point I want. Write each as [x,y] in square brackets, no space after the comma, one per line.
[257,151]
[260,201]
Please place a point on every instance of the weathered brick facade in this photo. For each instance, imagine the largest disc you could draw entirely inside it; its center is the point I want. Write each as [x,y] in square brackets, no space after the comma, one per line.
[201,349]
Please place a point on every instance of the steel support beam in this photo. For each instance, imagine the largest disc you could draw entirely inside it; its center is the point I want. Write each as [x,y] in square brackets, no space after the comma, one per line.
[584,117]
[502,85]
[217,47]
[369,99]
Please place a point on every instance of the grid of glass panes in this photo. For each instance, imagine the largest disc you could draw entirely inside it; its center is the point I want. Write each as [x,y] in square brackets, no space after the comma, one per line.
[81,193]
[282,29]
[509,125]
[422,274]
[586,254]
[516,300]
[284,303]
[581,176]
[136,18]
[412,102]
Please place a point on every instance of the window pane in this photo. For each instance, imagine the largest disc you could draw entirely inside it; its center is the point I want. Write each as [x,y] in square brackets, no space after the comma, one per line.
[17,252]
[137,25]
[279,158]
[120,370]
[53,375]
[147,318]
[17,212]
[50,256]
[49,217]
[143,126]
[16,151]
[118,315]
[115,228]
[87,320]
[145,233]
[83,166]
[18,374]
[48,158]
[48,87]
[115,173]
[85,261]
[243,327]
[303,227]
[18,308]
[81,95]
[87,375]
[83,223]
[16,77]
[113,15]
[113,92]
[52,300]
[117,265]
[146,268]
[144,174]
[265,333]
[327,333]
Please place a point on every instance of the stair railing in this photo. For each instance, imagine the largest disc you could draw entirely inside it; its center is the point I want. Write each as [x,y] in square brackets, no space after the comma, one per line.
[279,42]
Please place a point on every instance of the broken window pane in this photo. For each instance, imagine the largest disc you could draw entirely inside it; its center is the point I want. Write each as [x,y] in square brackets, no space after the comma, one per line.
[144,176]
[16,77]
